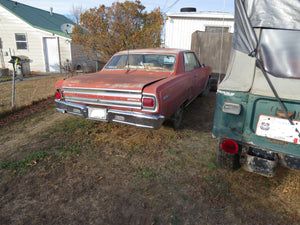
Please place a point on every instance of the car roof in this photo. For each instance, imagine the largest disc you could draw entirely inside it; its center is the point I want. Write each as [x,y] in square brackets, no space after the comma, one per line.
[153,50]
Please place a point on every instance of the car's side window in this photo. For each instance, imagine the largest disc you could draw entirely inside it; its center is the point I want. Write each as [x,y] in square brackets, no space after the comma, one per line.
[190,61]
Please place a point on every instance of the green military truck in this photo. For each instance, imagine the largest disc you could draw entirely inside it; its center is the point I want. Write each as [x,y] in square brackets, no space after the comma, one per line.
[257,115]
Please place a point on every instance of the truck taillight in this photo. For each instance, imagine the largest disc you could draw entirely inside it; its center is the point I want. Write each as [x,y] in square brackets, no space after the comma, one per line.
[59,94]
[149,102]
[229,146]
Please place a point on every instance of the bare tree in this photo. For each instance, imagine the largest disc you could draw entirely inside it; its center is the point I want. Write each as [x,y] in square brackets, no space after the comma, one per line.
[76,12]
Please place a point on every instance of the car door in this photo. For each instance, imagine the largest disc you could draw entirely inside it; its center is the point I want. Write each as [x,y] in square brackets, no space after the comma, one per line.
[193,68]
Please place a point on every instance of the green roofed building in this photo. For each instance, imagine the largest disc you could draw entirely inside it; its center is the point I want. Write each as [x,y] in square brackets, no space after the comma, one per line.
[44,37]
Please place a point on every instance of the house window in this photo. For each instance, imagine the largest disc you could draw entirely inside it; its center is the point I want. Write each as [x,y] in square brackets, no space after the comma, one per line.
[216,29]
[190,61]
[21,41]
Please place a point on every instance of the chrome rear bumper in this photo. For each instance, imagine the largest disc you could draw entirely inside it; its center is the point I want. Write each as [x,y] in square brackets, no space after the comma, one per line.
[126,117]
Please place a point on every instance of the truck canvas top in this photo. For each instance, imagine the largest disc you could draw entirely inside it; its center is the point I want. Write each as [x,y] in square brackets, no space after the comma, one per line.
[266,30]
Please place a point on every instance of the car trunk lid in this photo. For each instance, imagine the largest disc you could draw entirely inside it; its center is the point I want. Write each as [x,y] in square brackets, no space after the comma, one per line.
[131,80]
[110,89]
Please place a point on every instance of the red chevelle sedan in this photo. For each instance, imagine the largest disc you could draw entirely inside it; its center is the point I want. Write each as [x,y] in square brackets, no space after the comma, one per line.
[141,87]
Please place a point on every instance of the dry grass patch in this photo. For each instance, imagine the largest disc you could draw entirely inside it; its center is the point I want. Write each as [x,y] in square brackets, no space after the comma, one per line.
[78,171]
[27,92]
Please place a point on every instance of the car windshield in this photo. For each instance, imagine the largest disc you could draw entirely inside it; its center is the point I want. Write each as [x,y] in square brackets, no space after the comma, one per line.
[154,62]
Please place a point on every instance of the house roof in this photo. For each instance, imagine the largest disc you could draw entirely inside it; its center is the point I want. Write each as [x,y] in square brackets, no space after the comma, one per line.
[202,15]
[38,18]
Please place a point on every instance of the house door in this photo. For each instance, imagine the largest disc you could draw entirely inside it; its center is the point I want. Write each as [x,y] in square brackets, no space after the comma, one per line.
[51,55]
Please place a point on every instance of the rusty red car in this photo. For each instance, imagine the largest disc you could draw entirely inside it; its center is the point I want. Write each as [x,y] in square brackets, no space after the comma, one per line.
[141,87]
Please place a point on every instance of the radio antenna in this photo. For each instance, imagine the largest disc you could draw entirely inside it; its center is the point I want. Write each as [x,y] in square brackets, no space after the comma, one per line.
[128,60]
[127,36]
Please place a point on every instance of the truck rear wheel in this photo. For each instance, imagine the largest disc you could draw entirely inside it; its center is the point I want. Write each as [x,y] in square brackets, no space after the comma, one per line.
[226,160]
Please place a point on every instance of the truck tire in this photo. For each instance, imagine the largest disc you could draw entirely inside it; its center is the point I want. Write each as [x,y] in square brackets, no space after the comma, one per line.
[227,161]
[177,118]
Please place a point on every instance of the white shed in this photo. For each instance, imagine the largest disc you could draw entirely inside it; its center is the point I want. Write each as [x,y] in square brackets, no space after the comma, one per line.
[180,26]
[36,34]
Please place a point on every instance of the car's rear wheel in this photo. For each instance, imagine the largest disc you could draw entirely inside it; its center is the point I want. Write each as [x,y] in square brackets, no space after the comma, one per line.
[177,118]
[207,88]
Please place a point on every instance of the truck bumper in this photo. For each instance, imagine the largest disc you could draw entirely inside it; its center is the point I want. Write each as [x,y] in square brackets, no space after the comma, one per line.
[265,162]
[111,115]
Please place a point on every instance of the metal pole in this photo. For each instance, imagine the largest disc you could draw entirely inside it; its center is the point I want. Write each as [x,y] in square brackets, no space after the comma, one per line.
[68,67]
[14,64]
[13,89]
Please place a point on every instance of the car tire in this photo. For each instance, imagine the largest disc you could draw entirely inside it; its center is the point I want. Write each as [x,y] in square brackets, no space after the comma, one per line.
[227,161]
[177,118]
[207,88]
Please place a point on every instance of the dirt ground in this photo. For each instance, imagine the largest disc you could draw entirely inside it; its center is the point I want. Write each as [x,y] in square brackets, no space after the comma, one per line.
[62,169]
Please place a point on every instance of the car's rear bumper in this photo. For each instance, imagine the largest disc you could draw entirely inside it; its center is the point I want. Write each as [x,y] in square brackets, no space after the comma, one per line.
[126,117]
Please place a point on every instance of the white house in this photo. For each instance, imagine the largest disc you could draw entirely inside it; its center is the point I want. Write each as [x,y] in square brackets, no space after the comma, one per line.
[180,26]
[42,36]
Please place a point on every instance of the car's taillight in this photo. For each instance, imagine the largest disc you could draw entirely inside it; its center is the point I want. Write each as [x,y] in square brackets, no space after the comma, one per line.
[59,94]
[229,146]
[148,102]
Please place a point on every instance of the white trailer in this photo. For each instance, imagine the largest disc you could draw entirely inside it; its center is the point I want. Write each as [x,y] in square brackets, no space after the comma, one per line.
[180,26]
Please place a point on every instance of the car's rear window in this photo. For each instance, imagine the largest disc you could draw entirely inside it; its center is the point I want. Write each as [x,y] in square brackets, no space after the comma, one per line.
[155,62]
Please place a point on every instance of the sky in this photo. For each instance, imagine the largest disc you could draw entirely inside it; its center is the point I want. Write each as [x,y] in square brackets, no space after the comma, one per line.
[166,6]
